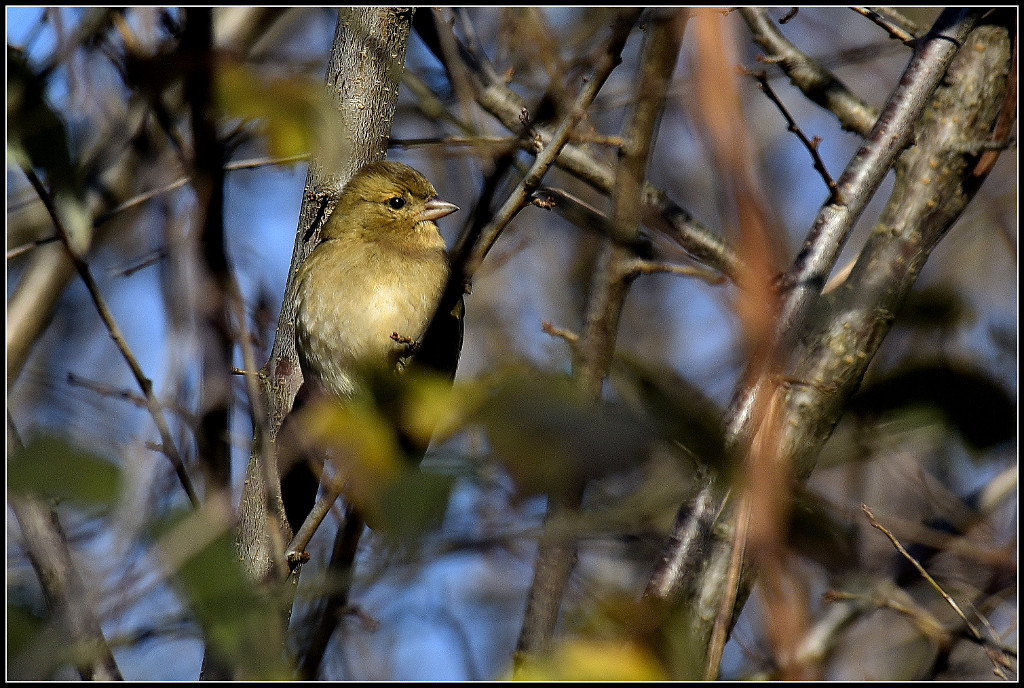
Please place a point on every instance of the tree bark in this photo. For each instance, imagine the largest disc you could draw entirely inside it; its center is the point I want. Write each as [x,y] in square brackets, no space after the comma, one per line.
[363,75]
[935,179]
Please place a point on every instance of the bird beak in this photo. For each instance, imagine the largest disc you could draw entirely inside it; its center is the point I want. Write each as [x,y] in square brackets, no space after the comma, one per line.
[435,209]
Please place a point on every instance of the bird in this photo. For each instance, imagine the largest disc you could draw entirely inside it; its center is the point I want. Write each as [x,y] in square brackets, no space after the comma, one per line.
[365,297]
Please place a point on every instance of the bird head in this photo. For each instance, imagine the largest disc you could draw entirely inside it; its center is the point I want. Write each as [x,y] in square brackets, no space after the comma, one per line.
[387,200]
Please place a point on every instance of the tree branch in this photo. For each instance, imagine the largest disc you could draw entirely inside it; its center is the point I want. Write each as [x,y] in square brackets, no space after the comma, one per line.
[933,186]
[214,335]
[659,211]
[556,554]
[815,81]
[145,384]
[46,545]
[362,81]
[855,187]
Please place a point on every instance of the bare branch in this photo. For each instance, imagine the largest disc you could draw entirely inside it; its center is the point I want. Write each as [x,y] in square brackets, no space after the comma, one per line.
[920,211]
[215,342]
[920,569]
[812,78]
[550,153]
[556,554]
[857,184]
[895,24]
[659,211]
[145,384]
[791,125]
[46,545]
[47,548]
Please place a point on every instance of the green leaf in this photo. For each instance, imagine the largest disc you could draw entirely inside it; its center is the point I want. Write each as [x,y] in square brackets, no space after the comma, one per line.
[54,468]
[551,437]
[676,408]
[242,627]
[23,629]
[413,504]
[292,112]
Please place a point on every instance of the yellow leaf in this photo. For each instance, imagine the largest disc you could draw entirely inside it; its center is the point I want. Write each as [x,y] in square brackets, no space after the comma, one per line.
[594,660]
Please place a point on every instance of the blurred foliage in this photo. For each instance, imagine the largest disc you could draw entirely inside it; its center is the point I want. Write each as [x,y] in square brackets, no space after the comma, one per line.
[37,138]
[373,445]
[292,114]
[675,407]
[817,532]
[967,399]
[551,437]
[240,624]
[594,660]
[938,307]
[37,649]
[36,135]
[53,468]
[25,628]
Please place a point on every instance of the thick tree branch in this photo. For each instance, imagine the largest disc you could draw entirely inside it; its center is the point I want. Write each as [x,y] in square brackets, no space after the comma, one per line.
[362,80]
[933,186]
[806,277]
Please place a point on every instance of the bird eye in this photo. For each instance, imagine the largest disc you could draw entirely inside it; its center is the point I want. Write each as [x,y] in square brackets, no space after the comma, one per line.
[396,202]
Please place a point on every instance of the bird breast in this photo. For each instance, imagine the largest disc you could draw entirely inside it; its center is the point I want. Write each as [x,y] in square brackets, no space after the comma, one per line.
[353,298]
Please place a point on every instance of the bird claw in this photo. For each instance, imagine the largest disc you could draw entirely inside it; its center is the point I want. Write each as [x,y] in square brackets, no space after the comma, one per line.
[411,347]
[295,558]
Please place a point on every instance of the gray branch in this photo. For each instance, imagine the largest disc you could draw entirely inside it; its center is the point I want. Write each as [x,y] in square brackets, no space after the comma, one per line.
[935,181]
[362,80]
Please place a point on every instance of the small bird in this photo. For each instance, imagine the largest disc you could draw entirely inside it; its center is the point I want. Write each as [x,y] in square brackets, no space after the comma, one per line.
[367,293]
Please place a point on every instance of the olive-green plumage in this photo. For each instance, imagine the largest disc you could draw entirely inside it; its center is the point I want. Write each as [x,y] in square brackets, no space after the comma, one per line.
[365,297]
[379,271]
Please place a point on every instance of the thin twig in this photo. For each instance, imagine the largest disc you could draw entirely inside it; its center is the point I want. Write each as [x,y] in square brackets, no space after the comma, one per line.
[153,258]
[336,604]
[257,403]
[145,384]
[138,200]
[30,245]
[893,28]
[643,266]
[295,552]
[660,211]
[247,164]
[554,331]
[920,569]
[589,218]
[924,620]
[548,156]
[106,390]
[500,142]
[810,144]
